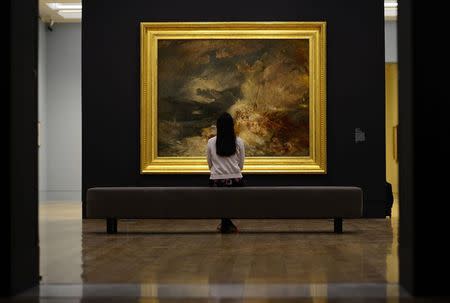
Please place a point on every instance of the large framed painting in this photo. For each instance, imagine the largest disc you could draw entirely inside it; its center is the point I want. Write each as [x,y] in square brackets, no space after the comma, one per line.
[270,76]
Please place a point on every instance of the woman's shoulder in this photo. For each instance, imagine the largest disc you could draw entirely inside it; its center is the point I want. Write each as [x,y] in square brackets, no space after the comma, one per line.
[239,141]
[212,140]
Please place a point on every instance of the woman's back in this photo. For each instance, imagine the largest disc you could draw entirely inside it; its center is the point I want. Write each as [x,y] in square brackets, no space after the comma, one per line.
[225,167]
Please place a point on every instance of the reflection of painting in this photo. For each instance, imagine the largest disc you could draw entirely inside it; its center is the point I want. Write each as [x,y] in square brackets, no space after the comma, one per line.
[264,84]
[269,75]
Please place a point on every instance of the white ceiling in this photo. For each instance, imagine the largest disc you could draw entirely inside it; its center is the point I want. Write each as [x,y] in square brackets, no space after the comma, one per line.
[390,10]
[47,14]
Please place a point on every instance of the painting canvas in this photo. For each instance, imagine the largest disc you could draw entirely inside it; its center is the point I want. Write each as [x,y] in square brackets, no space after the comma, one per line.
[269,76]
[263,84]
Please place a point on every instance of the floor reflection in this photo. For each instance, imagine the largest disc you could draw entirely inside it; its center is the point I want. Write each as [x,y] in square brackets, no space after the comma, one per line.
[60,233]
[271,251]
[206,300]
[317,292]
[190,251]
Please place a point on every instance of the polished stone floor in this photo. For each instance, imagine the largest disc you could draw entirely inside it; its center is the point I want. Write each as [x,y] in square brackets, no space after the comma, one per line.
[228,300]
[187,260]
[191,251]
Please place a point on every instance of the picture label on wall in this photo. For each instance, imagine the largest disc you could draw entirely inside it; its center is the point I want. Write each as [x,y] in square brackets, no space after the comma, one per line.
[270,76]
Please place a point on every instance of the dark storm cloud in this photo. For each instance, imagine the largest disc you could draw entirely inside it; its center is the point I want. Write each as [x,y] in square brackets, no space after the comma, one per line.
[255,80]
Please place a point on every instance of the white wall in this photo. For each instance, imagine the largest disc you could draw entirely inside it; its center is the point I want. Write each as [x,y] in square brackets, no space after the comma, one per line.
[42,108]
[62,115]
[390,38]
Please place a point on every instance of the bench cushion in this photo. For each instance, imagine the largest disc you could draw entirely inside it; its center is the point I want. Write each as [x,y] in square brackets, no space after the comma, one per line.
[288,202]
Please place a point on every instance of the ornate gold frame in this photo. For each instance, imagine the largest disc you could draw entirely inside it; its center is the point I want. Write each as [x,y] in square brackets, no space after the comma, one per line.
[315,32]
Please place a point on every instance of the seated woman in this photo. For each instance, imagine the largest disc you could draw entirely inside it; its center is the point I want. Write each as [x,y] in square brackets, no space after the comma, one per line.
[226,154]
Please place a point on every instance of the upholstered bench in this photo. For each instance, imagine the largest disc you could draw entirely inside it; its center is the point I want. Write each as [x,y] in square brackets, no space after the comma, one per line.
[273,202]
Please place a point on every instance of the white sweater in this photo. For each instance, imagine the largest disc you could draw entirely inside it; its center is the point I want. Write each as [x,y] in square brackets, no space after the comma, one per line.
[225,167]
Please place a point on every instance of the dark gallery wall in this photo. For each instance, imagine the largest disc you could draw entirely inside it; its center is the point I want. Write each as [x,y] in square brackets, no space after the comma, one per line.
[423,151]
[355,89]
[19,213]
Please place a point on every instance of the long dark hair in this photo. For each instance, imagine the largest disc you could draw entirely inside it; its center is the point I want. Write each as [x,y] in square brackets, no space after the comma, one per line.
[226,138]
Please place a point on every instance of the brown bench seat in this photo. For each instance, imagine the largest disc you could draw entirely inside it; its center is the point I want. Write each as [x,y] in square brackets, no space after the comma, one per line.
[273,202]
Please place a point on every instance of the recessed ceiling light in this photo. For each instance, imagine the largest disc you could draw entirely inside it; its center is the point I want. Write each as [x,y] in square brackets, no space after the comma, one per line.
[70,14]
[70,11]
[64,6]
[390,10]
[390,4]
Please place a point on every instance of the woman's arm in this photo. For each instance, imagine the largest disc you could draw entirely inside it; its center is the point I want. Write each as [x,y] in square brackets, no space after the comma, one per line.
[208,156]
[241,154]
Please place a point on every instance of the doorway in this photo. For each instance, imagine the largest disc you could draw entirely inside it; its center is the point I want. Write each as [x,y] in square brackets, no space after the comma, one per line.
[391,72]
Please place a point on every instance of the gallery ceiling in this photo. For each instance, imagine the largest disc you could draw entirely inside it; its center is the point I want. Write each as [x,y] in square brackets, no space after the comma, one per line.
[70,11]
[390,10]
[60,11]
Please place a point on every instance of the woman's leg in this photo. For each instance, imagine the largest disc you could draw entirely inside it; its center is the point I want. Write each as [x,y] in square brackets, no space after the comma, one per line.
[226,225]
[224,222]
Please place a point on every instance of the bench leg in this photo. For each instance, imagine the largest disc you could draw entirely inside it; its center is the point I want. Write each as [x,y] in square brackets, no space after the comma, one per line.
[338,225]
[111,225]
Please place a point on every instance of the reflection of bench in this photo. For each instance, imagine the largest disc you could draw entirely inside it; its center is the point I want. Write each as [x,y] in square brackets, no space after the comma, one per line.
[288,202]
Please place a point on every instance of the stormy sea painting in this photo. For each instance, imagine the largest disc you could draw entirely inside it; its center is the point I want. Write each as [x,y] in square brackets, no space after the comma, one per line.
[262,83]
